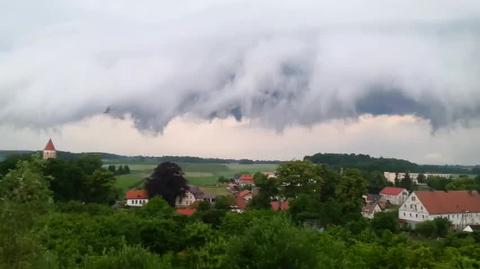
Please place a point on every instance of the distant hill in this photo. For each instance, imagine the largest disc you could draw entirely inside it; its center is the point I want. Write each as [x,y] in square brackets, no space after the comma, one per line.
[366,162]
[115,158]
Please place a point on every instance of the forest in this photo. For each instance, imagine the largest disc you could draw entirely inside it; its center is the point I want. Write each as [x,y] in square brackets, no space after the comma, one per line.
[64,214]
[366,162]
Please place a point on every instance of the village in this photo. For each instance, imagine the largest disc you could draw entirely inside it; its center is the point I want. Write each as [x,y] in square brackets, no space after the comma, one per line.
[461,208]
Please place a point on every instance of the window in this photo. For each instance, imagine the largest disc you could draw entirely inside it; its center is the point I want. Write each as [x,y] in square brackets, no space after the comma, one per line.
[416,215]
[404,214]
[410,214]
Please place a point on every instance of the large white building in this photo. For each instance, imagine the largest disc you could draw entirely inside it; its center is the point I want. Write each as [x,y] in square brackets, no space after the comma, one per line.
[390,176]
[461,208]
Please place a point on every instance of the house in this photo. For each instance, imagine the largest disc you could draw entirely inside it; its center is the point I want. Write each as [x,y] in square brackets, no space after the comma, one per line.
[369,210]
[374,206]
[185,211]
[192,195]
[371,198]
[461,208]
[49,152]
[136,197]
[269,175]
[246,180]
[394,195]
[185,200]
[242,198]
[279,205]
[471,228]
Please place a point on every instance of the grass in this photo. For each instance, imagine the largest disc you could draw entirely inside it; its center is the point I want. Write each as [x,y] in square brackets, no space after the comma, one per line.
[199,174]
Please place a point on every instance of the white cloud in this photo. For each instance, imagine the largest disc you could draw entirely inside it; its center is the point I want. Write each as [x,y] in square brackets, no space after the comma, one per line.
[289,66]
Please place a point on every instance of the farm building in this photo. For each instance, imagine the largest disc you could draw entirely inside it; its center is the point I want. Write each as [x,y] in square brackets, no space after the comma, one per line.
[461,208]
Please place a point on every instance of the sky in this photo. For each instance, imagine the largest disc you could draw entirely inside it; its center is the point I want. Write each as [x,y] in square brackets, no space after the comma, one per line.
[268,79]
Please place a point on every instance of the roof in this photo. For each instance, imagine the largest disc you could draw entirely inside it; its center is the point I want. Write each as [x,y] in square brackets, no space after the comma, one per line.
[441,202]
[136,194]
[246,177]
[185,211]
[370,208]
[244,193]
[197,192]
[391,191]
[279,205]
[50,145]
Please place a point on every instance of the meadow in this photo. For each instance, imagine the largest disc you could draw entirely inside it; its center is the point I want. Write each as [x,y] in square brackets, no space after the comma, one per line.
[204,175]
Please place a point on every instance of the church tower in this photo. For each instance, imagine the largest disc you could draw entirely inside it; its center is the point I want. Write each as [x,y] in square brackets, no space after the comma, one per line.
[49,152]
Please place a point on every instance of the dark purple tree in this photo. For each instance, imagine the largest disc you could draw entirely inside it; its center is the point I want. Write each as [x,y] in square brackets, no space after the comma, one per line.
[167,181]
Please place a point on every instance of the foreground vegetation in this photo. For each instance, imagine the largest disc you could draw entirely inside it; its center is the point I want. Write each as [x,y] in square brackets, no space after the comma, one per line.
[39,228]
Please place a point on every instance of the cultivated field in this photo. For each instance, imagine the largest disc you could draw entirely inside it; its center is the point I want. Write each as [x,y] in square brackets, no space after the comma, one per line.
[204,175]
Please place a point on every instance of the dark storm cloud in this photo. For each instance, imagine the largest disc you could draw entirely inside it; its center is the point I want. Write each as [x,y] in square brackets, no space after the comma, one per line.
[276,62]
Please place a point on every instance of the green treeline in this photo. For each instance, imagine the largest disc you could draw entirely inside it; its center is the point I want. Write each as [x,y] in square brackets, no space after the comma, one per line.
[366,162]
[322,229]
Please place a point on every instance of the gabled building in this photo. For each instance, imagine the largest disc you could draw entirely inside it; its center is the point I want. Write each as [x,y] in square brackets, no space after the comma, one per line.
[192,195]
[136,197]
[246,180]
[369,210]
[242,198]
[49,152]
[394,195]
[461,208]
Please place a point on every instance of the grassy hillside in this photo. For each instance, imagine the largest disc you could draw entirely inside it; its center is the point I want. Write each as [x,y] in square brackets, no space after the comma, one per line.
[199,174]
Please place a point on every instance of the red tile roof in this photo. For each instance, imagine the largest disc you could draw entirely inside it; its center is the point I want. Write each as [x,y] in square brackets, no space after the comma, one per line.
[241,199]
[136,194]
[49,145]
[246,178]
[279,205]
[441,202]
[392,191]
[185,211]
[244,193]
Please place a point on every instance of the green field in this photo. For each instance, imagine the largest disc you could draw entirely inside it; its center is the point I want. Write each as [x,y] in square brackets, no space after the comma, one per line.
[199,174]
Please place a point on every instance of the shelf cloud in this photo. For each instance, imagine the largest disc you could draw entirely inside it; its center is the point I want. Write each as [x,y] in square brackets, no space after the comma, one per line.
[278,63]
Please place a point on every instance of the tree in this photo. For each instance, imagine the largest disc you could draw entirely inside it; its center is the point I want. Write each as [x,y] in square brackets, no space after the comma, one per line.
[385,221]
[223,202]
[438,227]
[274,243]
[81,179]
[297,177]
[26,184]
[98,187]
[167,181]
[406,182]
[350,189]
[11,161]
[267,190]
[421,178]
[112,169]
[24,196]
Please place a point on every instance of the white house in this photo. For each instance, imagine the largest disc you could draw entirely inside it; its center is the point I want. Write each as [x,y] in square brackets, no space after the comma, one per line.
[461,208]
[136,197]
[192,195]
[394,195]
[186,200]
